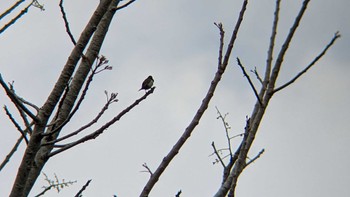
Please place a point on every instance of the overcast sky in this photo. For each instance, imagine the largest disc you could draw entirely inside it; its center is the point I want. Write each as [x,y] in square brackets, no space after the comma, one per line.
[305,130]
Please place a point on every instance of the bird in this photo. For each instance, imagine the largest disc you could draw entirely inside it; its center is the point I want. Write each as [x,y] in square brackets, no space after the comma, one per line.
[147,83]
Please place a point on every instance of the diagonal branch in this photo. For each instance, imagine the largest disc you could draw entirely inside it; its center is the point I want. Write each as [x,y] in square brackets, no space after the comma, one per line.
[218,156]
[13,150]
[125,5]
[66,23]
[8,11]
[335,37]
[16,124]
[15,100]
[103,128]
[249,80]
[23,12]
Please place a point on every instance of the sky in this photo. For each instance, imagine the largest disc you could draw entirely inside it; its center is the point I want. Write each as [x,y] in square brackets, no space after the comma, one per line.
[304,132]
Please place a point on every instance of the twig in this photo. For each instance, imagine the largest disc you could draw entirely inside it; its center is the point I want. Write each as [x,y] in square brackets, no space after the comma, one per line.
[249,80]
[16,101]
[147,169]
[16,124]
[66,23]
[335,37]
[217,155]
[227,127]
[79,194]
[104,127]
[256,157]
[222,35]
[178,193]
[255,71]
[13,150]
[124,6]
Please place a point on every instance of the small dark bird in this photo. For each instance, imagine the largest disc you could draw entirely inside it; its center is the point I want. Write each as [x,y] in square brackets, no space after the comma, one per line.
[147,83]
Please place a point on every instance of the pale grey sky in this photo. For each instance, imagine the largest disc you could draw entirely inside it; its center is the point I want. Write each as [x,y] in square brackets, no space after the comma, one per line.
[305,131]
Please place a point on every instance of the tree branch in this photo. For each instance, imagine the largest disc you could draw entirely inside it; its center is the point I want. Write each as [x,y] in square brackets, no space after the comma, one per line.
[335,37]
[13,150]
[16,124]
[103,128]
[66,23]
[249,80]
[15,100]
[79,194]
[124,6]
[8,11]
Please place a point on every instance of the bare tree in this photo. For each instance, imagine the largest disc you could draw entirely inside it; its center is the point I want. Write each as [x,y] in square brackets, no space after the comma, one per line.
[43,125]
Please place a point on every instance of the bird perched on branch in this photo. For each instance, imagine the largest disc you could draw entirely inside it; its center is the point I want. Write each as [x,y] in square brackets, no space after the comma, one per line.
[147,83]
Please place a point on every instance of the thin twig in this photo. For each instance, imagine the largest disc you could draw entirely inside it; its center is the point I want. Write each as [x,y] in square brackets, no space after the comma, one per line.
[217,155]
[66,23]
[83,188]
[336,36]
[256,157]
[124,6]
[16,101]
[249,80]
[222,35]
[147,169]
[227,127]
[255,71]
[16,124]
[13,150]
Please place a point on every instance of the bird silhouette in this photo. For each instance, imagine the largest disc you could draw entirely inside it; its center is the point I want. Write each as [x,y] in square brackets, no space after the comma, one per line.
[147,83]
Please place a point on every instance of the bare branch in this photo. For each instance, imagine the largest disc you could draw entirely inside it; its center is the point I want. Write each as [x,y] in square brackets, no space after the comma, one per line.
[103,128]
[249,80]
[66,23]
[79,194]
[16,124]
[125,5]
[147,169]
[227,127]
[8,11]
[335,37]
[23,12]
[13,150]
[15,100]
[178,193]
[256,157]
[255,71]
[217,155]
[222,35]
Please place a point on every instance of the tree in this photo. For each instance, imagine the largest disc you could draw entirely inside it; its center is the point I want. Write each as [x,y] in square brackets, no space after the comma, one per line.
[46,124]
